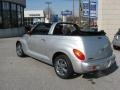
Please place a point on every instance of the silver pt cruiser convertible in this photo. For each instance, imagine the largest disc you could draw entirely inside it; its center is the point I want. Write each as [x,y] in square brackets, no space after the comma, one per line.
[66,47]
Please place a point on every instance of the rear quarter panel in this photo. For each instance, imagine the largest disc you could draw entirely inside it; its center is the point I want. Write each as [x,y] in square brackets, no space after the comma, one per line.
[64,44]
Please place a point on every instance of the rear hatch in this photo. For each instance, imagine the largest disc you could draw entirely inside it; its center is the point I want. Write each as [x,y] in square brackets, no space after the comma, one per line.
[96,45]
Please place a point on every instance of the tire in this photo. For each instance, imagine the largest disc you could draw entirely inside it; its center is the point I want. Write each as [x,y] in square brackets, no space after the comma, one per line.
[19,50]
[63,67]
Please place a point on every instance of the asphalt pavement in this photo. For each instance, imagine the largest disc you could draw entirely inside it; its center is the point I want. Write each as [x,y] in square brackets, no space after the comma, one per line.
[29,74]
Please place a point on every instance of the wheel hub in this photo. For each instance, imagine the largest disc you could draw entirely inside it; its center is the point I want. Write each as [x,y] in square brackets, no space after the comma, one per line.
[61,67]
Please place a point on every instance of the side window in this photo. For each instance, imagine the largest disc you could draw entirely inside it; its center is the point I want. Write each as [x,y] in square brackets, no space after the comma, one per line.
[64,29]
[41,29]
[58,30]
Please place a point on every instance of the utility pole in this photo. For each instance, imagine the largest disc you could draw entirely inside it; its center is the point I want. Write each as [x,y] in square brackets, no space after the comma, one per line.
[48,3]
[79,12]
[73,10]
[89,14]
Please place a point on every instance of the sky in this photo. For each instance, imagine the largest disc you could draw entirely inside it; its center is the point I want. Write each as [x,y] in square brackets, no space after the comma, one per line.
[57,5]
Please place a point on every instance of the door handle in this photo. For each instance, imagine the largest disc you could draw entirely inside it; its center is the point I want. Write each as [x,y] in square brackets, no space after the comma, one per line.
[43,40]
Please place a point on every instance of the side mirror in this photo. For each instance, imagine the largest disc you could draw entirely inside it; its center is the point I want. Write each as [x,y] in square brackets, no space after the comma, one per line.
[28,29]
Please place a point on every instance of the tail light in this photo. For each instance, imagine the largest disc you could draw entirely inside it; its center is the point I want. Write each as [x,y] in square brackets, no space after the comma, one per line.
[79,54]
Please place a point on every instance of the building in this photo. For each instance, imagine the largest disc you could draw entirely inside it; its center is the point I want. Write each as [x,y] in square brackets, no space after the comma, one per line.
[11,17]
[109,16]
[33,16]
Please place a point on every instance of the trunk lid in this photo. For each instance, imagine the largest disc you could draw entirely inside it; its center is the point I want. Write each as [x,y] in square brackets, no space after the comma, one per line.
[96,47]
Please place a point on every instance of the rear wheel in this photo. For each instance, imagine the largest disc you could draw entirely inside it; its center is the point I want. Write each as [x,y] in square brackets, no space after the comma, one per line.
[63,67]
[19,50]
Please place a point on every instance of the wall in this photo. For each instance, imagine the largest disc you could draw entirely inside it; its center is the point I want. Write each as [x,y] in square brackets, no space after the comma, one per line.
[6,33]
[22,2]
[109,16]
[17,31]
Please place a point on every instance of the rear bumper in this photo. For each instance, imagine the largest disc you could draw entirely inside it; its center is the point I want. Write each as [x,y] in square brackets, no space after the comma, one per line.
[100,64]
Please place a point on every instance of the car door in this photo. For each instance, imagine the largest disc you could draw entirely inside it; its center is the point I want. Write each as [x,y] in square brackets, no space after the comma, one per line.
[38,41]
[27,39]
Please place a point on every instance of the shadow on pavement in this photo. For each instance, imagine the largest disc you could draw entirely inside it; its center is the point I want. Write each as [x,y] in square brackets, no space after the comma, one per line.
[117,49]
[102,73]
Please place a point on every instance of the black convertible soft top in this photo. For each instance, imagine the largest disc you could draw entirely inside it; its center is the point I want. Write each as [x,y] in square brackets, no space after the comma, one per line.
[80,32]
[88,33]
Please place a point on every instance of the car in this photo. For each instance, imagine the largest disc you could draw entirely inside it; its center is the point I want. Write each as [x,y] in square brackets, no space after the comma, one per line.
[68,49]
[116,40]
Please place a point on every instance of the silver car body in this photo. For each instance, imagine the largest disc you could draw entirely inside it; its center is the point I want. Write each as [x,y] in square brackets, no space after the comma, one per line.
[97,49]
[116,40]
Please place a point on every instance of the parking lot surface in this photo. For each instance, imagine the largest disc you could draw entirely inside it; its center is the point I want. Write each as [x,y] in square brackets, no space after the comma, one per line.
[29,74]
